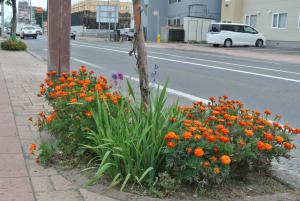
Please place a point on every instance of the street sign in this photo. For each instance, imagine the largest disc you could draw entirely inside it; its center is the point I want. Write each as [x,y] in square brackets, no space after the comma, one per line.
[107,14]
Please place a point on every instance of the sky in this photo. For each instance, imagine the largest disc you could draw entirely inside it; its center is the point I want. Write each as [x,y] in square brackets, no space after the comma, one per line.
[38,3]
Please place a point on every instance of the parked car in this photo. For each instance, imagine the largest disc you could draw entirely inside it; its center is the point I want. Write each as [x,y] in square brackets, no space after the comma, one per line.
[28,31]
[73,35]
[39,30]
[127,33]
[229,34]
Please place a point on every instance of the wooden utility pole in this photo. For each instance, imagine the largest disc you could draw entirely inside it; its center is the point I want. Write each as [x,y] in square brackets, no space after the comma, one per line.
[59,27]
[139,44]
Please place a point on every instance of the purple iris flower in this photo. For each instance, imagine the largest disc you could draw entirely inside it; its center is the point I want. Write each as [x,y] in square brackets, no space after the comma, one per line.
[114,76]
[120,76]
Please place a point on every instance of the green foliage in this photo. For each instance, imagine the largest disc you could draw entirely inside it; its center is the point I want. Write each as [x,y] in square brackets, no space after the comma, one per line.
[13,44]
[38,17]
[46,153]
[129,142]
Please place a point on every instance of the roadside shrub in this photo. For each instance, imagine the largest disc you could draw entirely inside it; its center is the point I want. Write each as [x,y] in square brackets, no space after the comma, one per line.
[129,144]
[13,44]
[222,139]
[71,97]
[161,147]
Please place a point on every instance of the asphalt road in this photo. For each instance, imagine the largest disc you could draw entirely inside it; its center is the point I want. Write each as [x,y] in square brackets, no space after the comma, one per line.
[192,75]
[260,84]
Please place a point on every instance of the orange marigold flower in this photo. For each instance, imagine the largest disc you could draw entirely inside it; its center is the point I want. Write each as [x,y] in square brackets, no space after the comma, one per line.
[88,114]
[32,148]
[225,160]
[211,138]
[197,137]
[83,69]
[213,159]
[226,139]
[268,146]
[198,152]
[73,100]
[241,143]
[206,164]
[212,99]
[279,139]
[42,90]
[89,99]
[216,170]
[268,136]
[62,79]
[220,126]
[74,72]
[173,120]
[189,150]
[261,145]
[187,135]
[288,145]
[170,136]
[72,84]
[225,131]
[242,123]
[268,112]
[171,145]
[215,112]
[249,133]
[192,129]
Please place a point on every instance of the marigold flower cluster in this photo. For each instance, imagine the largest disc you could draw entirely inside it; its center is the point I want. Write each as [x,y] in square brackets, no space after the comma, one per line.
[214,136]
[79,88]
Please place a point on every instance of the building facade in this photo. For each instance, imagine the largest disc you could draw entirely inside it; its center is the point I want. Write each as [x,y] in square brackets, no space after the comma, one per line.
[278,20]
[173,12]
[84,13]
[24,13]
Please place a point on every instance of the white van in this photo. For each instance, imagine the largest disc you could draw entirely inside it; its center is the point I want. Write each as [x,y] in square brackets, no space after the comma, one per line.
[229,34]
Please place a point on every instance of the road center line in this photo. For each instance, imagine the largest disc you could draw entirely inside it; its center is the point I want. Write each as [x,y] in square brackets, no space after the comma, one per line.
[202,65]
[122,48]
[169,90]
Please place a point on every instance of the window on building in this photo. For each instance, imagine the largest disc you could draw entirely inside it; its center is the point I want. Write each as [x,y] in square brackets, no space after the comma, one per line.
[173,1]
[279,20]
[178,22]
[299,21]
[251,20]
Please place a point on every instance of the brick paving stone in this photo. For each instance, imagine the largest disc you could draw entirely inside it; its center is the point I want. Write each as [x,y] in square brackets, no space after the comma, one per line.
[6,118]
[274,197]
[90,196]
[37,170]
[10,145]
[5,108]
[61,183]
[7,130]
[15,189]
[70,195]
[12,165]
[42,184]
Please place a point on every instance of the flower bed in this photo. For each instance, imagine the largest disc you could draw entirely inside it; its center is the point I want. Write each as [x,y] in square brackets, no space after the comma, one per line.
[223,138]
[13,44]
[158,148]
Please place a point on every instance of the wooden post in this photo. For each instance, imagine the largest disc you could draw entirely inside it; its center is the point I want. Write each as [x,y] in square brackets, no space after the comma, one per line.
[59,26]
[139,43]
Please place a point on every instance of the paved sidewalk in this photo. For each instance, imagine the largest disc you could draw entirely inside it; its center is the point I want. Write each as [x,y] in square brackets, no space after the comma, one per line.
[230,52]
[21,178]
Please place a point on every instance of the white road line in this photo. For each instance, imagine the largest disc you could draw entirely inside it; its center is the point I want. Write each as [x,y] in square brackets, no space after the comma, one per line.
[169,90]
[202,65]
[202,53]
